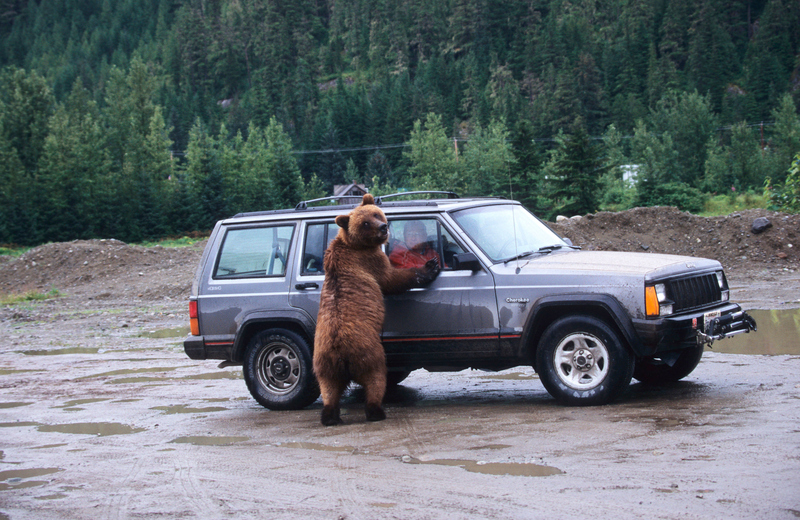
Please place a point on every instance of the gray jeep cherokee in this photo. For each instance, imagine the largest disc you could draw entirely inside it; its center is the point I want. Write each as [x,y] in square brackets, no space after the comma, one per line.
[511,292]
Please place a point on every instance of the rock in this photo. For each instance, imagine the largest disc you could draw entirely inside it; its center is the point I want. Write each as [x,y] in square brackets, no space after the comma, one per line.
[760,225]
[781,254]
[561,218]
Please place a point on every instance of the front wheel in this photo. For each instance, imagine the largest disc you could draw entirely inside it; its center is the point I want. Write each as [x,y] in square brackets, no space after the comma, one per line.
[277,368]
[656,371]
[582,361]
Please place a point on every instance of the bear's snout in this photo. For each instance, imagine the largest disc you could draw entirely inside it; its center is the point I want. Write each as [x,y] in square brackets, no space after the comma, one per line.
[383,229]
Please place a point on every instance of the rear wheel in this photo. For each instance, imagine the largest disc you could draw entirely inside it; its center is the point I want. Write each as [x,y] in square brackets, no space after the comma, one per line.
[582,361]
[277,368]
[656,371]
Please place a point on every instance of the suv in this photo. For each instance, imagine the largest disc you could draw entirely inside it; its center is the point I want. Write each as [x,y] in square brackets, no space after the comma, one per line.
[511,292]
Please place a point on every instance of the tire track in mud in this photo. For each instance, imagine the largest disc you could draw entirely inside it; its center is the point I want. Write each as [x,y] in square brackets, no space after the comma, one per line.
[119,500]
[195,493]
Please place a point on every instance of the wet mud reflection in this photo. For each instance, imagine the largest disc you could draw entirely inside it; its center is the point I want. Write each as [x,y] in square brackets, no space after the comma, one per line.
[515,469]
[99,429]
[778,334]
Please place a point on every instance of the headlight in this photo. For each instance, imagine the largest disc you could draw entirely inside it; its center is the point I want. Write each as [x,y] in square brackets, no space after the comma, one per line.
[656,302]
[725,294]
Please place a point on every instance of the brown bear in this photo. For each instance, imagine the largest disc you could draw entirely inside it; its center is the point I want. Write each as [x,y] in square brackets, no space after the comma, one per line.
[347,344]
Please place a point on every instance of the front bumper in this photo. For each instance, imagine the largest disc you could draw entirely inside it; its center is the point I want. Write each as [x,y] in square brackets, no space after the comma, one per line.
[686,330]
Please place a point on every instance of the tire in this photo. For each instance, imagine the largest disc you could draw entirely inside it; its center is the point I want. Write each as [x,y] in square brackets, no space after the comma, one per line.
[582,361]
[278,370]
[654,371]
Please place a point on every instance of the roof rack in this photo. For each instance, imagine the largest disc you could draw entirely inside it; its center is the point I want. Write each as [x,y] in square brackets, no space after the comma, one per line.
[450,195]
[378,200]
[304,204]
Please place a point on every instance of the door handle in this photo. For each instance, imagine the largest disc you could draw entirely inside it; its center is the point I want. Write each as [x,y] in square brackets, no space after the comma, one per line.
[307,285]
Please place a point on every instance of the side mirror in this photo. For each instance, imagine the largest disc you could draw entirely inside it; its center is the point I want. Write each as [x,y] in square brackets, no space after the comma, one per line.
[466,262]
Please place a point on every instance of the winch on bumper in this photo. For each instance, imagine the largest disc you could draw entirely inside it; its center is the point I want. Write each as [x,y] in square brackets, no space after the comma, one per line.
[686,330]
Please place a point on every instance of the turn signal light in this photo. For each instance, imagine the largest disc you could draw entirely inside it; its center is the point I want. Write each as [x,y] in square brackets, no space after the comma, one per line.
[194,323]
[651,305]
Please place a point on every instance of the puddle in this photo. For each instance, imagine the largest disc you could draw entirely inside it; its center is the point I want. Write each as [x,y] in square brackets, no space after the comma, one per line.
[491,468]
[177,332]
[315,446]
[491,447]
[57,496]
[13,405]
[217,375]
[778,333]
[15,478]
[78,402]
[60,351]
[9,371]
[99,429]
[128,371]
[18,424]
[182,408]
[128,380]
[209,441]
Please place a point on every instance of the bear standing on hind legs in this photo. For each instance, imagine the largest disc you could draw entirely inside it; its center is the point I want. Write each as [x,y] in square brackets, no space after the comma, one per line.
[347,344]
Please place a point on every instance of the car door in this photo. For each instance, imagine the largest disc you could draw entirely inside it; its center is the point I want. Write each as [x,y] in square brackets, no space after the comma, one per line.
[308,271]
[451,322]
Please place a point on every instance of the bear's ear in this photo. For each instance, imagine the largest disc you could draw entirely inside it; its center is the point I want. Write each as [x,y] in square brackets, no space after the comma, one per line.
[343,221]
[368,199]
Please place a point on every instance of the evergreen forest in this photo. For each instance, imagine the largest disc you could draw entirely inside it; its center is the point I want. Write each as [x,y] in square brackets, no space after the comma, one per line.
[139,119]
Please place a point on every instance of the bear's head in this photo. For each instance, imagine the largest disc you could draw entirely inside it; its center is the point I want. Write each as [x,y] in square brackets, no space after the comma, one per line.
[365,226]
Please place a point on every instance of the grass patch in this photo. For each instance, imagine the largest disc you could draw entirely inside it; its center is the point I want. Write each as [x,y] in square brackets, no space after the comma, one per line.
[720,205]
[30,296]
[13,251]
[175,241]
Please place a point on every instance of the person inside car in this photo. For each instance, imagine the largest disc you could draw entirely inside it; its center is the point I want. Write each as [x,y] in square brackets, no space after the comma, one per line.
[416,250]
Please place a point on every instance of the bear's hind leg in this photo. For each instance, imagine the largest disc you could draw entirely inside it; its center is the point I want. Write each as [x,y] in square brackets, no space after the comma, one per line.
[331,394]
[374,390]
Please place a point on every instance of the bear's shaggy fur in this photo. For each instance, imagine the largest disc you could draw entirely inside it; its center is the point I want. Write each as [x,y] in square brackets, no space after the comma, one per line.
[347,344]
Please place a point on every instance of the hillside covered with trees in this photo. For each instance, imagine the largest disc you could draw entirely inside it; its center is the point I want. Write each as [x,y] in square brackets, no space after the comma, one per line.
[136,119]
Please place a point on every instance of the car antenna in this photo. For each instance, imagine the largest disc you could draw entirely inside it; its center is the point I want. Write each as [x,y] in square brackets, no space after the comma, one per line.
[516,244]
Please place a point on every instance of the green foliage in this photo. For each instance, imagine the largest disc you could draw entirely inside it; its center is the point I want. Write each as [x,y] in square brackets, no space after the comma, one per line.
[574,171]
[726,204]
[433,157]
[95,96]
[786,197]
[678,194]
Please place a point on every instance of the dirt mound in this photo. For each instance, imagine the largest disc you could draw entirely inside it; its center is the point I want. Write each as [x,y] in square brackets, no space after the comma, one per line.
[729,239]
[103,269]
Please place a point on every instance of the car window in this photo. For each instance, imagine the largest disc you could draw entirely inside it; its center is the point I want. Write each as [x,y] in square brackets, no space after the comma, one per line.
[412,242]
[254,252]
[504,231]
[317,238]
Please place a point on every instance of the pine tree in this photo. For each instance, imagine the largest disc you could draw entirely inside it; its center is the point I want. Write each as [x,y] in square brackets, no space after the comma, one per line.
[574,170]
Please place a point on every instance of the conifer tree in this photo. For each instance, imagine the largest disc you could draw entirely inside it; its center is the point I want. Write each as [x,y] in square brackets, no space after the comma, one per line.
[574,170]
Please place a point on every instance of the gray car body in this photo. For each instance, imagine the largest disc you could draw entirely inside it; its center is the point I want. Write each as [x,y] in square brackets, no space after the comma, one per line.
[490,318]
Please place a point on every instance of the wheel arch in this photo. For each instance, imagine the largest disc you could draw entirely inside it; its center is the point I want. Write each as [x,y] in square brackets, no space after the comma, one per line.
[604,307]
[298,323]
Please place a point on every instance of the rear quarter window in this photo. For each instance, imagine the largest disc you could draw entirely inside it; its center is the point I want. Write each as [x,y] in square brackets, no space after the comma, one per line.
[254,252]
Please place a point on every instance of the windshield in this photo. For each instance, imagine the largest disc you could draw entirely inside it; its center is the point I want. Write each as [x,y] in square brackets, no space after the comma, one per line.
[505,231]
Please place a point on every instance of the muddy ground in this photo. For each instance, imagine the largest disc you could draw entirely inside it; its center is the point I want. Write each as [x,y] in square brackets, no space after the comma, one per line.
[103,416]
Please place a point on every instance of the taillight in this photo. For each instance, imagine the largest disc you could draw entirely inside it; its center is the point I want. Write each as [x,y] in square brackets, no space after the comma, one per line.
[194,323]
